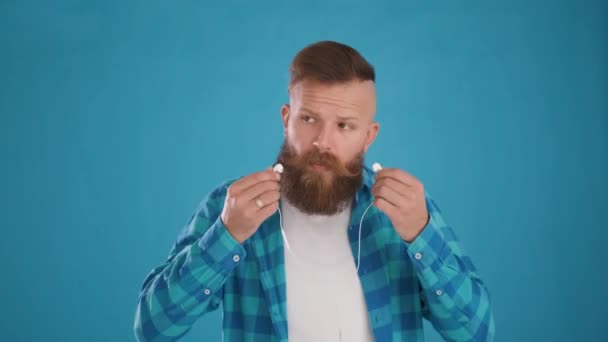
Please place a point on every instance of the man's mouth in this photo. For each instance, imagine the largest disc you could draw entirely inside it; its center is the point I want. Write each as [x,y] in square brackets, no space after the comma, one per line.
[318,167]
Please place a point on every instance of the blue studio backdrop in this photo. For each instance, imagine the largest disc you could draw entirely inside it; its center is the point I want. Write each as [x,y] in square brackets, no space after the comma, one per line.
[117,117]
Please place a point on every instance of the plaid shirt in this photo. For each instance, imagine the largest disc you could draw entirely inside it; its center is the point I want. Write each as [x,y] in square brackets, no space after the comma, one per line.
[430,278]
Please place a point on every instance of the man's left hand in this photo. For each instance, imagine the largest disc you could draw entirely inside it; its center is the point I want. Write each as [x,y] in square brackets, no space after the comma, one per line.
[401,197]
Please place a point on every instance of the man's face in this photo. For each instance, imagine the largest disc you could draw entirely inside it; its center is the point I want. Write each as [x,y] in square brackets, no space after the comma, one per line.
[328,129]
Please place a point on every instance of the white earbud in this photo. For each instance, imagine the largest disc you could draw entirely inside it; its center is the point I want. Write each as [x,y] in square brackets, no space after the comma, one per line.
[376,167]
[278,168]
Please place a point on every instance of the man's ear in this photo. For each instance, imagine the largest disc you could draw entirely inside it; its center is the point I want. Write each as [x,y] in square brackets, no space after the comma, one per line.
[372,133]
[285,111]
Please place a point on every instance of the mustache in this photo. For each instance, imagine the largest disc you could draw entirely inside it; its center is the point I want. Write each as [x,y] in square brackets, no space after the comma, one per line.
[325,159]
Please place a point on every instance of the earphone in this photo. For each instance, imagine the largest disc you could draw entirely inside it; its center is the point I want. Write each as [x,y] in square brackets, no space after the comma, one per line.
[376,167]
[278,168]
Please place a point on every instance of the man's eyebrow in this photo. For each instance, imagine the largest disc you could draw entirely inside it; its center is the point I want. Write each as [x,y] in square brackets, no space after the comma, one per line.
[346,118]
[303,109]
[309,111]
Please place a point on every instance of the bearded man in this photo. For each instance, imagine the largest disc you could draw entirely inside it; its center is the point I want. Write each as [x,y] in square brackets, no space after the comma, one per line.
[327,250]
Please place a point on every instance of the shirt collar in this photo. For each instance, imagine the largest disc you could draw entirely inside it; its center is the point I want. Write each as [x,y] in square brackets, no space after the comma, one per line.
[368,178]
[363,194]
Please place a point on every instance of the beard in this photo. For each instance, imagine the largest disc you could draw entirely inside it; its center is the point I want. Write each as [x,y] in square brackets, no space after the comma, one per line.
[327,191]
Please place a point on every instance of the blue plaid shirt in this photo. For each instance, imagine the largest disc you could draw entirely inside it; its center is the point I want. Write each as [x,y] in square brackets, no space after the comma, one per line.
[430,278]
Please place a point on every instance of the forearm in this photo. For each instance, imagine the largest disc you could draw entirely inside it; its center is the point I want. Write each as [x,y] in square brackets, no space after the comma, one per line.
[457,301]
[189,284]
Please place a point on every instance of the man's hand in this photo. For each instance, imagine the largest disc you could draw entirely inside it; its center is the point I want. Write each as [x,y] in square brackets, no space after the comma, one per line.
[249,201]
[401,197]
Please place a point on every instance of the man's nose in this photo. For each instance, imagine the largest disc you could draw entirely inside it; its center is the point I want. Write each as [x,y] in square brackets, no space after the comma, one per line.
[323,140]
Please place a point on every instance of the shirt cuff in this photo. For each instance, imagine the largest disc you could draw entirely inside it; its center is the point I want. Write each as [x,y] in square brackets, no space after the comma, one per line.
[428,247]
[220,249]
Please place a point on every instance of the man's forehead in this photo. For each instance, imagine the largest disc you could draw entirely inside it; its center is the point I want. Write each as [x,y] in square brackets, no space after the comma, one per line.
[350,100]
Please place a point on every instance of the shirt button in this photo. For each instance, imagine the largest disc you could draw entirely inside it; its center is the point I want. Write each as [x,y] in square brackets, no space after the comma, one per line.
[418,256]
[236,258]
[439,292]
[207,292]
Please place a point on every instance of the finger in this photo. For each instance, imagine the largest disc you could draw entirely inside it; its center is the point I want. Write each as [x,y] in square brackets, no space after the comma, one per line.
[256,190]
[386,207]
[248,181]
[389,195]
[245,182]
[269,197]
[392,183]
[268,210]
[398,175]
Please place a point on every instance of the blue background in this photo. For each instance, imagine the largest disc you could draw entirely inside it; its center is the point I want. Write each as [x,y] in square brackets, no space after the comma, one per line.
[118,117]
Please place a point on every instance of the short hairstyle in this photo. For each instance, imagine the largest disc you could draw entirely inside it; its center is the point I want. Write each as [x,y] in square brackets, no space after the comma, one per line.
[329,62]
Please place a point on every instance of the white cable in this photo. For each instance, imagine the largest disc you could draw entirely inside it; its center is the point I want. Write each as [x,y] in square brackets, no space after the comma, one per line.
[282,230]
[375,167]
[359,247]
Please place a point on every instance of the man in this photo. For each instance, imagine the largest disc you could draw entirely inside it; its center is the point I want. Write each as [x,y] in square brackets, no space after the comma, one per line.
[327,251]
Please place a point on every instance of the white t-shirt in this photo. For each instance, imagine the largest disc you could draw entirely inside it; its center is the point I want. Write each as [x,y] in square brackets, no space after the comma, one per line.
[325,301]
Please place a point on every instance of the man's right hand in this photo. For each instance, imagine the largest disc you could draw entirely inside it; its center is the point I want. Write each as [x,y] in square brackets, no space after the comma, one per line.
[249,201]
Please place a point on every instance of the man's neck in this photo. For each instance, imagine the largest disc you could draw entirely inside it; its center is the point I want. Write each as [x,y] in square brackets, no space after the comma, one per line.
[290,206]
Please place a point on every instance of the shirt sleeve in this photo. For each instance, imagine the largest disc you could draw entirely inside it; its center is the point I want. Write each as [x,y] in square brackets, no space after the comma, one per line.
[454,298]
[189,283]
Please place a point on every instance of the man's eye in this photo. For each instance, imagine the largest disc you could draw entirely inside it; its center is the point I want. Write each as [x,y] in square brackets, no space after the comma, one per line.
[308,119]
[345,126]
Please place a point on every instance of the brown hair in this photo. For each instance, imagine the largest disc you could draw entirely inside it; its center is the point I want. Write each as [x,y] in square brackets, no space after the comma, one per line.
[329,62]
